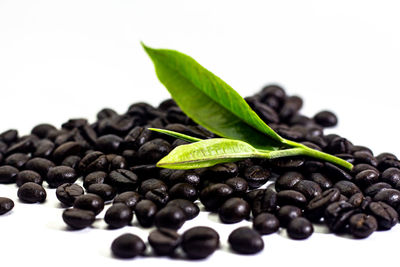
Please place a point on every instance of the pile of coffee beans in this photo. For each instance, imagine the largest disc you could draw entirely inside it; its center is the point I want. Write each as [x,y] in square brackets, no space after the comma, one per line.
[114,159]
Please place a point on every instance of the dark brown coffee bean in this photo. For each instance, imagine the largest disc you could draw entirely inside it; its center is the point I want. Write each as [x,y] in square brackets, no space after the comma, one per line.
[335,173]
[288,163]
[9,136]
[127,246]
[213,196]
[391,176]
[123,180]
[288,180]
[266,223]
[234,210]
[245,240]
[287,213]
[150,184]
[67,193]
[78,219]
[67,149]
[291,197]
[256,176]
[183,176]
[94,161]
[347,188]
[313,166]
[190,209]
[22,146]
[39,165]
[264,201]
[362,225]
[290,107]
[184,191]
[300,228]
[316,207]
[372,190]
[171,217]
[118,215]
[145,211]
[357,200]
[390,197]
[71,161]
[158,196]
[164,241]
[28,176]
[90,202]
[97,177]
[32,193]
[365,157]
[8,174]
[239,185]
[6,205]
[60,175]
[366,178]
[128,198]
[221,172]
[362,167]
[199,242]
[17,160]
[321,180]
[337,215]
[325,118]
[308,188]
[154,150]
[105,191]
[386,216]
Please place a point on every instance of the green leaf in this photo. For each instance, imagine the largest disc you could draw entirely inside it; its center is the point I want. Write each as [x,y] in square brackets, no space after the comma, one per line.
[207,153]
[209,101]
[181,136]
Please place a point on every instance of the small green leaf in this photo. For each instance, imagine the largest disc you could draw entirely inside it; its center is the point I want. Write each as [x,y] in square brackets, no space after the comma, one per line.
[207,153]
[209,101]
[181,136]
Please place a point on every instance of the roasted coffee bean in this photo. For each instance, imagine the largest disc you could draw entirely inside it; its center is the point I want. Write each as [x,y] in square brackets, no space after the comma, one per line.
[239,185]
[213,196]
[325,118]
[335,173]
[357,200]
[22,146]
[362,167]
[391,176]
[97,177]
[234,210]
[158,196]
[28,176]
[372,190]
[17,160]
[339,145]
[384,156]
[106,113]
[137,137]
[151,184]
[130,156]
[365,157]
[105,191]
[67,149]
[290,107]
[316,207]
[199,242]
[164,241]
[386,216]
[300,228]
[32,193]
[78,219]
[8,174]
[264,201]
[123,180]
[308,188]
[6,205]
[129,198]
[347,188]
[272,91]
[266,223]
[60,175]
[90,202]
[93,161]
[171,217]
[67,193]
[183,190]
[245,240]
[287,163]
[154,150]
[321,180]
[190,209]
[118,215]
[39,165]
[312,166]
[116,162]
[388,163]
[127,246]
[366,178]
[71,161]
[149,170]
[183,176]
[287,213]
[291,197]
[337,215]
[347,157]
[9,136]
[288,180]
[109,143]
[74,123]
[390,197]
[221,172]
[145,211]
[362,225]
[256,176]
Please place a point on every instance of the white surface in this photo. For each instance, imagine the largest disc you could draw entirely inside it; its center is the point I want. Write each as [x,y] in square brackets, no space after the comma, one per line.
[64,59]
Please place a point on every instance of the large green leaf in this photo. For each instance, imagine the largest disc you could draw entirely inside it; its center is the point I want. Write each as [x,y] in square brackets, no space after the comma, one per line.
[209,152]
[209,101]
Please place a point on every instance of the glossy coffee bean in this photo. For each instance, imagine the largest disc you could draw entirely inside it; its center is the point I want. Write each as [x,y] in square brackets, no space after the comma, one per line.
[145,211]
[9,136]
[105,191]
[390,197]
[6,205]
[17,160]
[78,219]
[39,165]
[129,198]
[256,176]
[90,202]
[97,177]
[321,180]
[362,167]
[28,176]
[290,107]
[93,161]
[300,228]
[190,209]
[357,200]
[118,215]
[8,174]
[164,241]
[71,161]
[154,150]
[116,162]
[213,196]
[109,143]
[308,188]
[151,184]
[127,246]
[287,213]
[316,207]
[335,173]
[234,210]
[288,180]
[199,242]
[366,178]
[171,217]
[245,240]
[31,193]
[291,197]
[67,149]
[385,215]
[239,185]
[184,191]
[264,201]
[222,171]
[362,225]
[123,180]
[266,223]
[337,215]
[372,190]
[158,196]
[42,130]
[347,188]
[183,176]
[67,193]
[391,176]
[60,175]
[325,118]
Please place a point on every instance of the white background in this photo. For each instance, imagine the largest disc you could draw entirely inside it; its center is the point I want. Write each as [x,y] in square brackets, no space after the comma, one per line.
[64,59]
